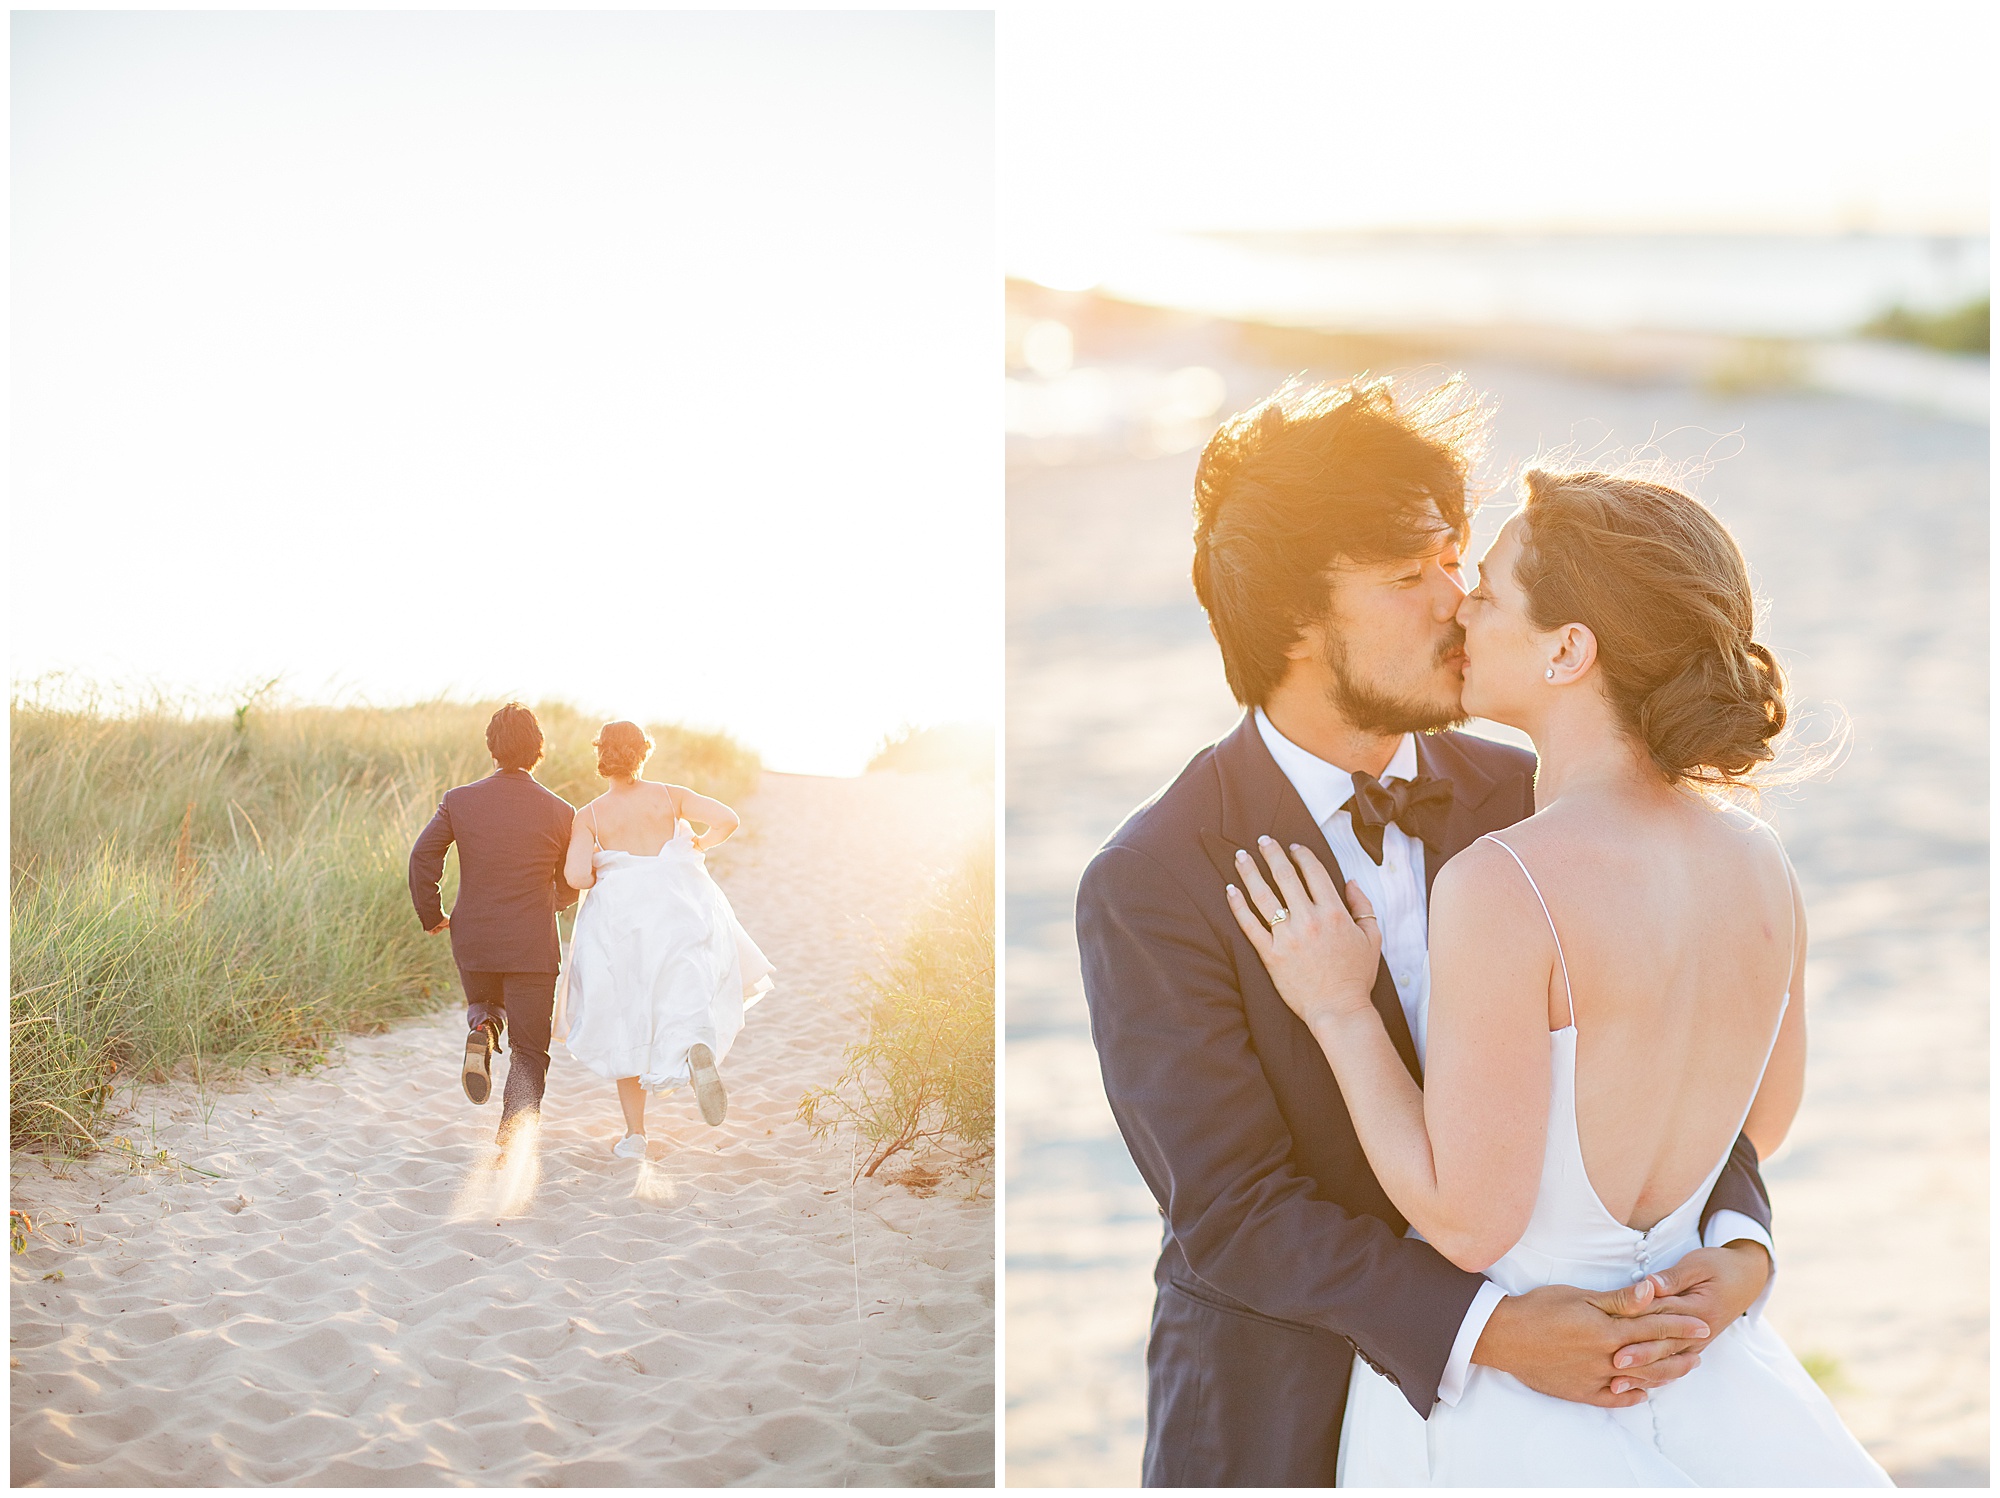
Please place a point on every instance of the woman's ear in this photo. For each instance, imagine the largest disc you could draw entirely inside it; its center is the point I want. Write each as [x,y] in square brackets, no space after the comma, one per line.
[1576,652]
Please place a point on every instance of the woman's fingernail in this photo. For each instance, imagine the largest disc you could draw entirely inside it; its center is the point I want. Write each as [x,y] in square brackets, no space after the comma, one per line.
[1242,854]
[1624,1362]
[1266,838]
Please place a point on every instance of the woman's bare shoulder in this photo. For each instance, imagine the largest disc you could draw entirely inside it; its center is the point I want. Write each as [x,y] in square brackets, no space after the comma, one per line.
[1743,822]
[1483,881]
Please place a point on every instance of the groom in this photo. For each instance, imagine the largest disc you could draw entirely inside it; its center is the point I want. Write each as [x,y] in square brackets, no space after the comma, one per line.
[512,834]
[1327,555]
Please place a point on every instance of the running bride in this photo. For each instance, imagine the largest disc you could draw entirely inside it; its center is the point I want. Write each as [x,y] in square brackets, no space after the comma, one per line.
[659,971]
[1617,988]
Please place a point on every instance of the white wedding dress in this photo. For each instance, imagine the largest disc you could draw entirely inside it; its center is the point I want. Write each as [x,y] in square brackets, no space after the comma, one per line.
[1748,1416]
[658,962]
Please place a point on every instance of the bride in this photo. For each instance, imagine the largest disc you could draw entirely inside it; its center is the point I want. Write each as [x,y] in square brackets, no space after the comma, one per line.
[1617,987]
[659,971]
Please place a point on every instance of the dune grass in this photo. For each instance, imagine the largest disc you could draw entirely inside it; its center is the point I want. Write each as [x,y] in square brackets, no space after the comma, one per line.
[192,893]
[924,1073]
[951,746]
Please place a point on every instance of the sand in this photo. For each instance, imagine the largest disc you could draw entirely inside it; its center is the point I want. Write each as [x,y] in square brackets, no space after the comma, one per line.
[1865,524]
[353,1300]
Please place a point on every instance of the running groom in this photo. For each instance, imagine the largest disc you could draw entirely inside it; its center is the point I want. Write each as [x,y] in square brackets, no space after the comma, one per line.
[1329,525]
[512,835]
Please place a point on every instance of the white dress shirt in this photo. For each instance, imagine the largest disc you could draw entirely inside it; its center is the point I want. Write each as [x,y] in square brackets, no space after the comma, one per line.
[1396,890]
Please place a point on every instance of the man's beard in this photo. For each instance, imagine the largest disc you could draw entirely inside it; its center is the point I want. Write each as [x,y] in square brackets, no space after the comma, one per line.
[1374,711]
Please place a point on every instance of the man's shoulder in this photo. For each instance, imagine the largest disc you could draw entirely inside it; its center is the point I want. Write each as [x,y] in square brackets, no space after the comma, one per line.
[1490,755]
[555,803]
[1163,827]
[505,790]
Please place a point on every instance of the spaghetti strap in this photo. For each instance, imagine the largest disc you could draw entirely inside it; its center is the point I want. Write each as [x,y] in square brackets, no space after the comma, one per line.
[595,836]
[1569,995]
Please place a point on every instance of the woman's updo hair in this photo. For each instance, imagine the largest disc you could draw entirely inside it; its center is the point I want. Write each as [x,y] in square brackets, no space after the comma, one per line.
[1665,590]
[622,749]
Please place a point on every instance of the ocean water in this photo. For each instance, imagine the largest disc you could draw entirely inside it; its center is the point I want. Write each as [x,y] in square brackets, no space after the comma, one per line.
[1758,285]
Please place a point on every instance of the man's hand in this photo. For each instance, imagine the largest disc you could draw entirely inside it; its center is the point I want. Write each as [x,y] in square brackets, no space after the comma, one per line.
[443,925]
[1714,1285]
[1562,1341]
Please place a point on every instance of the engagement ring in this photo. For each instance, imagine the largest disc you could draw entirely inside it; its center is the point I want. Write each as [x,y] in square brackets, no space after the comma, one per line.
[1283,915]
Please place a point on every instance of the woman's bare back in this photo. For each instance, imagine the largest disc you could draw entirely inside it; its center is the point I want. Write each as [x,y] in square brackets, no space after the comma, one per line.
[1679,926]
[640,818]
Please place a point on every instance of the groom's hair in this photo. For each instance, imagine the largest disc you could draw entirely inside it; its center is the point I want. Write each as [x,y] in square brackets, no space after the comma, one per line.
[514,738]
[1313,473]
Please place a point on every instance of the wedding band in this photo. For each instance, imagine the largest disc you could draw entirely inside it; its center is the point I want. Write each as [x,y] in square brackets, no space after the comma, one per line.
[1367,918]
[1282,915]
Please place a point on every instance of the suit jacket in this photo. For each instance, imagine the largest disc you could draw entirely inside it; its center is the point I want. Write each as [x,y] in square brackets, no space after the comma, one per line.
[512,835]
[1282,1258]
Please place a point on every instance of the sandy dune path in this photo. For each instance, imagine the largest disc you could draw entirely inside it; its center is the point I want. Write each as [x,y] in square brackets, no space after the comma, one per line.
[354,1301]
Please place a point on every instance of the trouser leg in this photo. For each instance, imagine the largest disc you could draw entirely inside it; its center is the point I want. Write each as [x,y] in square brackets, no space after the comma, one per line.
[530,1005]
[485,999]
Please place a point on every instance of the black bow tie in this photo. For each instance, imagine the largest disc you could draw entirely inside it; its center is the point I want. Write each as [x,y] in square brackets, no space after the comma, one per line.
[1417,806]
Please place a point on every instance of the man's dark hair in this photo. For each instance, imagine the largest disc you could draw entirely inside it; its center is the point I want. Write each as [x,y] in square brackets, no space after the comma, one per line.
[514,738]
[1313,473]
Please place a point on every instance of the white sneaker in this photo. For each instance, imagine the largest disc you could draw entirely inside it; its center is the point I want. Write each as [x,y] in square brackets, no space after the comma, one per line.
[631,1147]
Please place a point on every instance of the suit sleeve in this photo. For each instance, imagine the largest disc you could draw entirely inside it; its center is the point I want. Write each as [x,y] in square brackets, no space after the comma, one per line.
[1740,1188]
[1191,1098]
[427,866]
[565,895]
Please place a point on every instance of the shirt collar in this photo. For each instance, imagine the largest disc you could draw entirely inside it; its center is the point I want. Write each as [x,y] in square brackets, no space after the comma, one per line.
[1323,787]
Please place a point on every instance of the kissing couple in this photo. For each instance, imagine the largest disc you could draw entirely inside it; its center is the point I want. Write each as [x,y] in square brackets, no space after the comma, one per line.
[1450,1065]
[659,970]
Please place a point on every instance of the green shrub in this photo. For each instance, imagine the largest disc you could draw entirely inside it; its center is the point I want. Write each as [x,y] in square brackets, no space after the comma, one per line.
[212,891]
[1960,330]
[924,1074]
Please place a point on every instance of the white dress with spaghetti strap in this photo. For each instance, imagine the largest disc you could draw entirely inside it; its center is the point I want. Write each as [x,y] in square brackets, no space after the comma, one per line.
[658,962]
[1748,1416]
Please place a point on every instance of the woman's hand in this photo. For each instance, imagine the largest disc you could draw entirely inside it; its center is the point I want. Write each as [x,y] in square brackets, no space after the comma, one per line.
[1322,959]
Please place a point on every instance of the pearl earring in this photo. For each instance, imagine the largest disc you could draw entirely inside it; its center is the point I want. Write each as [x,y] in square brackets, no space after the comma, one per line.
[1550,673]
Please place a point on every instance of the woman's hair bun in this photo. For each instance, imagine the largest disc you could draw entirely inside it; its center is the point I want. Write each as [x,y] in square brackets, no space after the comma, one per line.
[622,749]
[1663,586]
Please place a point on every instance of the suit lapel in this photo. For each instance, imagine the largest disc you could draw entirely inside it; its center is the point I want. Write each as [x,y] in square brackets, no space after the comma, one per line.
[1470,786]
[1257,801]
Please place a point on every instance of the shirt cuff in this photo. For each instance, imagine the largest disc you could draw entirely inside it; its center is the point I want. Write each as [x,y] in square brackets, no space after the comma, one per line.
[1727,1227]
[1452,1385]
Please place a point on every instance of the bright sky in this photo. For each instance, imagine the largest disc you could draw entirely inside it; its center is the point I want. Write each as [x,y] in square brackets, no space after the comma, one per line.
[646,360]
[1468,113]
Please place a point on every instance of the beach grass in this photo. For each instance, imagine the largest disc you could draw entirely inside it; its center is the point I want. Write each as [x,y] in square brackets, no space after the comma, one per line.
[951,746]
[924,1072]
[191,893]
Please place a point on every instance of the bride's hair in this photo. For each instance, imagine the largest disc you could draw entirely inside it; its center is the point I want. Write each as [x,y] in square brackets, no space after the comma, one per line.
[1663,587]
[622,749]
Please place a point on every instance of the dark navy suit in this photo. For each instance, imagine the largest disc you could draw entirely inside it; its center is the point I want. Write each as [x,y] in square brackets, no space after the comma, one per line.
[1282,1258]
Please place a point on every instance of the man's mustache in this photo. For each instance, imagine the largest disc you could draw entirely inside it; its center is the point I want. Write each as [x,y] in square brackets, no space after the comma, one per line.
[1451,644]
